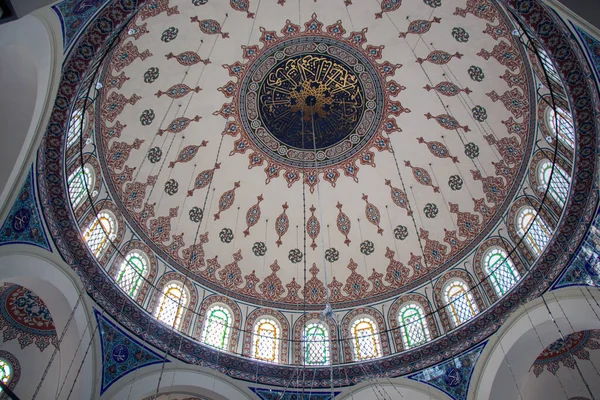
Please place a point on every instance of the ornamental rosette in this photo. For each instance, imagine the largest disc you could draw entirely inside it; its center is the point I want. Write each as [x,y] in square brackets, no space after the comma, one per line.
[311,104]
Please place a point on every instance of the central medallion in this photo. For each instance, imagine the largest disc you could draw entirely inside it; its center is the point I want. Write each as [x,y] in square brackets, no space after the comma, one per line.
[312,104]
[311,101]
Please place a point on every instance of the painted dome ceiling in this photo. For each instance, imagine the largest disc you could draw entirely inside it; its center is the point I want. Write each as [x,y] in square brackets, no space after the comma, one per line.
[270,149]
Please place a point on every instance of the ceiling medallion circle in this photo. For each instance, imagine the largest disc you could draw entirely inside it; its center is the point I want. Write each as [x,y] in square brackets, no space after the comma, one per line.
[311,84]
[321,80]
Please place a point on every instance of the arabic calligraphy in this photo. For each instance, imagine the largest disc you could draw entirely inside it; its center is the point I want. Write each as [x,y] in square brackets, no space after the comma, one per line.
[309,93]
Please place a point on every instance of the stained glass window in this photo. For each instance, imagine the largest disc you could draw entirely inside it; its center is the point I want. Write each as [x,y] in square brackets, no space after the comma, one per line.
[548,65]
[562,124]
[413,325]
[172,304]
[5,372]
[132,273]
[501,271]
[266,340]
[557,181]
[217,327]
[366,339]
[536,232]
[78,183]
[98,233]
[75,127]
[460,302]
[316,344]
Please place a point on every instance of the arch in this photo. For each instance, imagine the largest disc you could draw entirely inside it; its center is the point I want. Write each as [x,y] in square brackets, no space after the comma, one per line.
[146,283]
[192,301]
[79,182]
[235,324]
[512,226]
[537,184]
[533,229]
[560,124]
[555,180]
[99,232]
[113,244]
[347,336]
[10,369]
[500,270]
[366,344]
[396,324]
[172,304]
[299,325]
[217,327]
[440,287]
[284,325]
[94,189]
[478,263]
[392,388]
[133,272]
[266,340]
[511,352]
[543,110]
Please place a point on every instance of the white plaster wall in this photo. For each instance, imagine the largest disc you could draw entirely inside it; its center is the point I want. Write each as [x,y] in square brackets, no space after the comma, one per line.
[392,389]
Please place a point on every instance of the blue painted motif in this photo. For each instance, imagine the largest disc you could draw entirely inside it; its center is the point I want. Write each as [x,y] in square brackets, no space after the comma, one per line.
[73,16]
[268,394]
[592,46]
[454,376]
[584,267]
[121,354]
[23,224]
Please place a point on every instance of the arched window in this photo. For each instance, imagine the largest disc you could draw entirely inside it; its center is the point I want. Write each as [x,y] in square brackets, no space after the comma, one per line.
[561,124]
[366,339]
[6,372]
[413,325]
[501,271]
[78,183]
[171,305]
[132,273]
[99,232]
[265,341]
[536,232]
[556,180]
[316,344]
[75,127]
[548,65]
[460,302]
[217,327]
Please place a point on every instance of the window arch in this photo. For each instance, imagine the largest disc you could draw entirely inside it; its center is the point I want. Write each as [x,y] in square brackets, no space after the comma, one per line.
[500,271]
[6,371]
[366,342]
[132,273]
[101,229]
[413,325]
[76,125]
[316,344]
[556,181]
[172,304]
[535,231]
[561,123]
[265,340]
[217,327]
[460,302]
[80,181]
[548,65]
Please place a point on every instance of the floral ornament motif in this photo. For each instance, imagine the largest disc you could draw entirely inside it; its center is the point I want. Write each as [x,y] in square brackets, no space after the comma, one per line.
[199,2]
[210,27]
[268,135]
[471,150]
[226,235]
[171,187]
[388,6]
[147,117]
[154,154]
[196,214]
[479,113]
[455,182]
[419,27]
[169,34]
[295,256]
[564,351]
[332,255]
[259,249]
[430,210]
[151,75]
[433,3]
[460,34]
[476,73]
[367,247]
[401,232]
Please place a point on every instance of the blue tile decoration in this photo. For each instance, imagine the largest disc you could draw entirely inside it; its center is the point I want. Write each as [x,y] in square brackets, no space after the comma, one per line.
[121,353]
[23,224]
[452,377]
[584,268]
[592,48]
[74,15]
[268,394]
